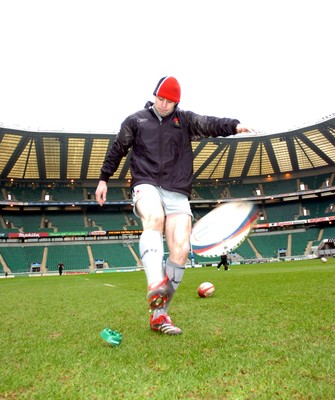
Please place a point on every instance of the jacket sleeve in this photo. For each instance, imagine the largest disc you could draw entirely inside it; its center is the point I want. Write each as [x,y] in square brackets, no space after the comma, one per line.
[203,126]
[119,149]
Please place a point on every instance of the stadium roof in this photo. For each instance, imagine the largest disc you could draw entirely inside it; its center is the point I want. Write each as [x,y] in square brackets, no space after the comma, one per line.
[61,157]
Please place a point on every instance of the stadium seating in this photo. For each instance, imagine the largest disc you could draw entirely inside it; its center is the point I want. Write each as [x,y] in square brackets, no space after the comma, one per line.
[108,220]
[114,193]
[32,222]
[74,257]
[205,193]
[242,190]
[66,221]
[315,182]
[16,259]
[279,187]
[245,250]
[316,208]
[13,221]
[282,212]
[116,254]
[300,240]
[66,194]
[24,194]
[329,233]
[268,245]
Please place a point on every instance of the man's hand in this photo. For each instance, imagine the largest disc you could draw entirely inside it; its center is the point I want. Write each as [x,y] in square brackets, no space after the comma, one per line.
[245,129]
[101,192]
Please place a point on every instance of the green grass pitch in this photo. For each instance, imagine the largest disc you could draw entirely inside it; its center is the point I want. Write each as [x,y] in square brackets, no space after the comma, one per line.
[267,333]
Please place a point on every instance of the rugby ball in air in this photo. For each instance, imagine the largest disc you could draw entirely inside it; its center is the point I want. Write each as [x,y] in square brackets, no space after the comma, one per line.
[206,289]
[323,259]
[223,229]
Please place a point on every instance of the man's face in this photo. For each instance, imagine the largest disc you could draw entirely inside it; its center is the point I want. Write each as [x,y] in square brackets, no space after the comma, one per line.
[163,106]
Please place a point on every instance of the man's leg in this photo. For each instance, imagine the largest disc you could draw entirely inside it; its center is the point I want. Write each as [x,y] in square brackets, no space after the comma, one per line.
[177,234]
[177,226]
[149,208]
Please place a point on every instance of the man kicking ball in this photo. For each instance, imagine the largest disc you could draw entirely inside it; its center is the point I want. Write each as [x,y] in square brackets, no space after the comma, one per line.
[161,165]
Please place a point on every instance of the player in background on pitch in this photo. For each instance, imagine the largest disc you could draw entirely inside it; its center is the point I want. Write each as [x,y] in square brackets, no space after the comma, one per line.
[224,262]
[161,167]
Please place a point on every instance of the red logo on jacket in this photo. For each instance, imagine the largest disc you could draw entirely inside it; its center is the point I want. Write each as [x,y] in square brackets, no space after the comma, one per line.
[176,121]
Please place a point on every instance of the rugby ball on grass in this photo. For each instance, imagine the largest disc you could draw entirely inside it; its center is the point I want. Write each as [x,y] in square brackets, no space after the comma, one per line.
[223,229]
[323,259]
[206,289]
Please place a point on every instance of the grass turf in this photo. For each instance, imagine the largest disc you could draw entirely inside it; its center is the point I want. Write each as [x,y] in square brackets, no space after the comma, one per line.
[267,333]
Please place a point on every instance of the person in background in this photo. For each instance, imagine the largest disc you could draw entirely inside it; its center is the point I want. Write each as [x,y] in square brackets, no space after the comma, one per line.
[161,164]
[60,268]
[224,262]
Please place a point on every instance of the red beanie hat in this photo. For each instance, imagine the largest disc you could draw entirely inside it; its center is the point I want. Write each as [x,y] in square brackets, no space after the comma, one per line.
[168,88]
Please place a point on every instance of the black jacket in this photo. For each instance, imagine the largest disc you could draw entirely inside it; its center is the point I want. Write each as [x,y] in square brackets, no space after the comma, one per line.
[161,147]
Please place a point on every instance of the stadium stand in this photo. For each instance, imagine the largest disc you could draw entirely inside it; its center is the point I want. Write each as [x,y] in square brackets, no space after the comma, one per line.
[316,181]
[204,193]
[328,233]
[116,254]
[112,220]
[237,190]
[13,221]
[71,194]
[32,222]
[69,221]
[16,259]
[286,184]
[103,252]
[23,194]
[74,257]
[245,250]
[314,208]
[281,212]
[114,193]
[302,240]
[279,187]
[267,246]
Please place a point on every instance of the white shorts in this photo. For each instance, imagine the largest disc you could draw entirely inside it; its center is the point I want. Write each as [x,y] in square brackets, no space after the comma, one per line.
[172,202]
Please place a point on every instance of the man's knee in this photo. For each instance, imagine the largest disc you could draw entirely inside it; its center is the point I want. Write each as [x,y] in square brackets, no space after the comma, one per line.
[153,221]
[179,252]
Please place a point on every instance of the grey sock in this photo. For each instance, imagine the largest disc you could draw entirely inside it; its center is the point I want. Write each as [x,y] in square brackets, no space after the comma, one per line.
[175,274]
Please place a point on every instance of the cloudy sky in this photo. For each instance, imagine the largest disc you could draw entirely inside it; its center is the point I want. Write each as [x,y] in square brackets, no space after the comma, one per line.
[85,65]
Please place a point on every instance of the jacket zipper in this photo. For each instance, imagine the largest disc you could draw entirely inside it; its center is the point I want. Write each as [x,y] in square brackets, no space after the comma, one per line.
[160,151]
